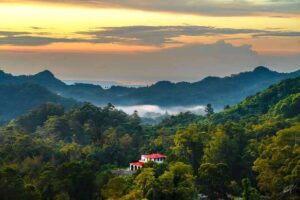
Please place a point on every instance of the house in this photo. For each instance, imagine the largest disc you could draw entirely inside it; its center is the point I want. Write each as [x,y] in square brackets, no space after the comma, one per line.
[158,158]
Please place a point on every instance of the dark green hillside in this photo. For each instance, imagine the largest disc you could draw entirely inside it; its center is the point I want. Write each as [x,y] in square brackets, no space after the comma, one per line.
[44,78]
[37,116]
[285,94]
[19,99]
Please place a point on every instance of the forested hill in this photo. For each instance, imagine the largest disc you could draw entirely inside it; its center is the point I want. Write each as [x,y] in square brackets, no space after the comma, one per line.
[19,99]
[249,151]
[45,78]
[280,99]
[215,90]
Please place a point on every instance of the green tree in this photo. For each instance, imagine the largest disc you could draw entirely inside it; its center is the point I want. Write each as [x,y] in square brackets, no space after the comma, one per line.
[178,182]
[226,107]
[209,110]
[278,164]
[76,179]
[146,182]
[111,146]
[72,151]
[189,145]
[58,128]
[227,146]
[214,180]
[102,178]
[135,118]
[116,188]
[46,182]
[249,193]
[38,116]
[288,107]
[12,186]
[134,194]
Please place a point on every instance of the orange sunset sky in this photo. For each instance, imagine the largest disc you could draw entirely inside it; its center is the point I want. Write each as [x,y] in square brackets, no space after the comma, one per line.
[143,41]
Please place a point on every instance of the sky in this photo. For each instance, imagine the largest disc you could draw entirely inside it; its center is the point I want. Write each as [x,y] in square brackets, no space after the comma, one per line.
[144,41]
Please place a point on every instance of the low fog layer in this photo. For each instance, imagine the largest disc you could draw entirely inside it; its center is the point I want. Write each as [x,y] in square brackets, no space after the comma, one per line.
[144,110]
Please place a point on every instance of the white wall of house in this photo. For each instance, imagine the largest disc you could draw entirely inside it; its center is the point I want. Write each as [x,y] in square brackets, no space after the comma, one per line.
[134,167]
[158,160]
[144,159]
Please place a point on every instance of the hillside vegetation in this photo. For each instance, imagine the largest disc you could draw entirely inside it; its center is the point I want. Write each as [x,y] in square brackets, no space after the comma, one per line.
[17,99]
[251,150]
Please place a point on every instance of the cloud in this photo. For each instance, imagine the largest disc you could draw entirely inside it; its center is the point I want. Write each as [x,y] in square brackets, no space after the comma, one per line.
[33,40]
[158,35]
[38,39]
[12,33]
[190,62]
[36,27]
[280,34]
[206,7]
[133,35]
[187,63]
[144,110]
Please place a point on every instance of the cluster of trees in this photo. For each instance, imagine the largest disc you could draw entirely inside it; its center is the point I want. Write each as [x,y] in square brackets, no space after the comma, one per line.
[250,150]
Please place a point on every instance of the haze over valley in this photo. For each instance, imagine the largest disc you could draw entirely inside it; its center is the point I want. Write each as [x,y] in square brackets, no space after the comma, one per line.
[154,101]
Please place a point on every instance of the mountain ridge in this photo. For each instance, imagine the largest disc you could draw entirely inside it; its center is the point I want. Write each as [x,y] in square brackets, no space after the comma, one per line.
[17,99]
[218,91]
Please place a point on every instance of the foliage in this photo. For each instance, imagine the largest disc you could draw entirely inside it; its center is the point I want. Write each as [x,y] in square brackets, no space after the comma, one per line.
[177,182]
[250,150]
[38,116]
[115,188]
[189,145]
[278,163]
[249,193]
[214,179]
[209,110]
[19,99]
[180,120]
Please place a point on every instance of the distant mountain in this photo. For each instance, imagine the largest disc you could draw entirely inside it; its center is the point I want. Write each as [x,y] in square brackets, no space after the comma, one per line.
[103,84]
[215,90]
[20,98]
[79,91]
[44,78]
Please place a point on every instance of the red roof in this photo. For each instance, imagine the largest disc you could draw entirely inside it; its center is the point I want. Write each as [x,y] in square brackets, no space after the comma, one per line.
[157,155]
[137,163]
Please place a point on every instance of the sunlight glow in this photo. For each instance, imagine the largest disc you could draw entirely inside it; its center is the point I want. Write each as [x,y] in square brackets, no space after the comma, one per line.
[56,20]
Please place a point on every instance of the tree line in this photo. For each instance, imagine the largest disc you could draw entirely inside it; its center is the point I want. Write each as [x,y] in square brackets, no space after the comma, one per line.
[250,150]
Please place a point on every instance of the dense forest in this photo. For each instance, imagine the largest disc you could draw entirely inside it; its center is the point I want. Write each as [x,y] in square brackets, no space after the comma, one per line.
[250,150]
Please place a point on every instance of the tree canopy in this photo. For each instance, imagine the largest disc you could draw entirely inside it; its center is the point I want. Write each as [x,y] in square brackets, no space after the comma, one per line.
[250,150]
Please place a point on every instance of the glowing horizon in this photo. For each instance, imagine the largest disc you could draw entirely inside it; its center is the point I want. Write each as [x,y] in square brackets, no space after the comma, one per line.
[146,27]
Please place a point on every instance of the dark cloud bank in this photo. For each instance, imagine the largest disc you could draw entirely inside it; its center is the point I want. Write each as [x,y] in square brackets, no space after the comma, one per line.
[142,35]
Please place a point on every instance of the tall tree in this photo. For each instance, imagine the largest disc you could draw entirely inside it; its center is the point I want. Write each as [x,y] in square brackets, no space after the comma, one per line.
[116,188]
[178,182]
[209,110]
[189,145]
[214,180]
[146,182]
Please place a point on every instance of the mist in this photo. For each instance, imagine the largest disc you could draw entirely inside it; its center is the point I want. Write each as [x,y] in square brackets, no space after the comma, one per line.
[144,110]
